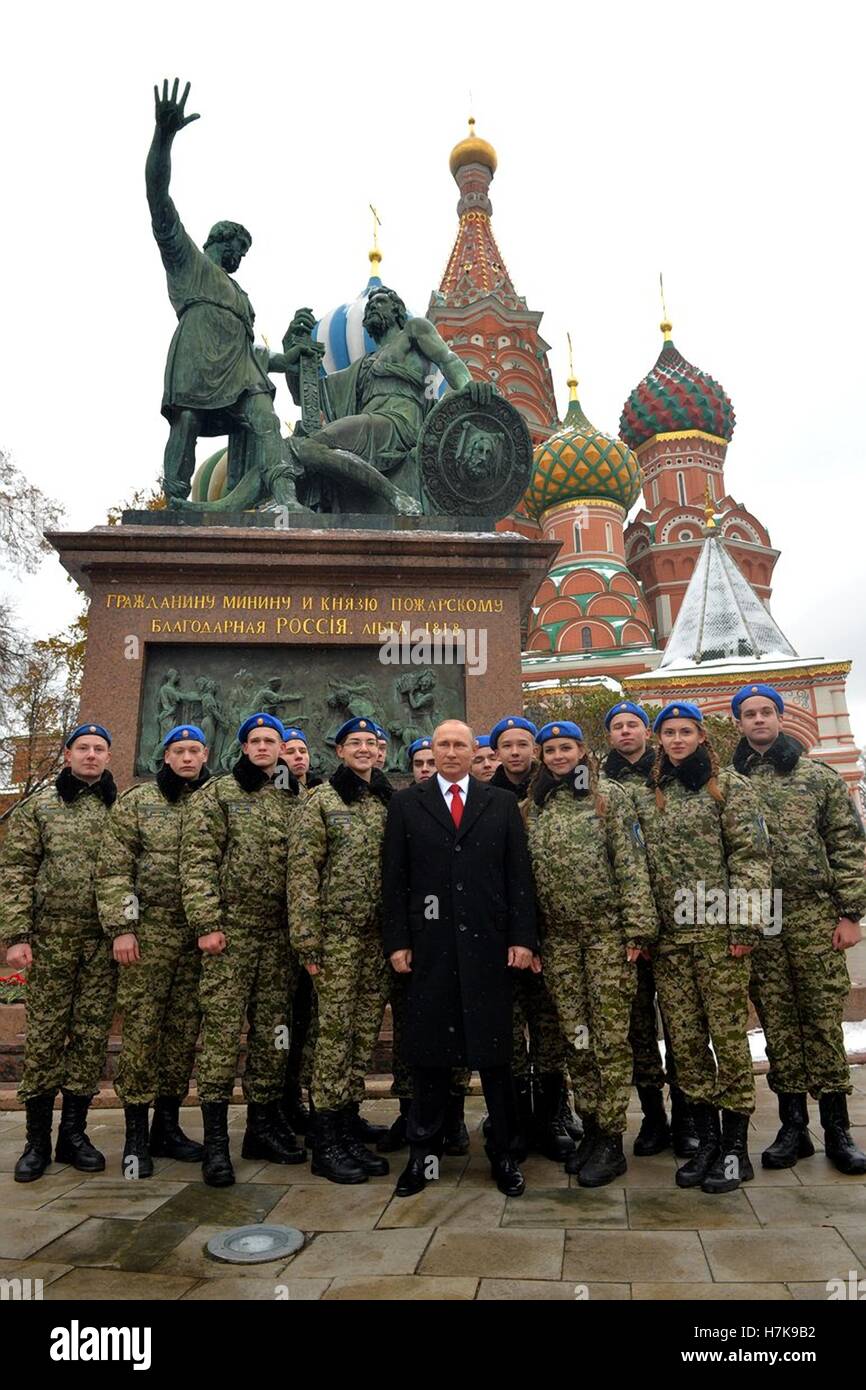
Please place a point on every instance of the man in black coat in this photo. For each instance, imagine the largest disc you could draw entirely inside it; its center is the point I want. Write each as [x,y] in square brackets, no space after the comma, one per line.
[459,915]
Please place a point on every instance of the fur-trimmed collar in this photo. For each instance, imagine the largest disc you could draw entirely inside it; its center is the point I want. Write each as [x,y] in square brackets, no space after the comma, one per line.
[350,787]
[783,755]
[619,769]
[501,779]
[546,784]
[174,787]
[69,787]
[313,780]
[251,778]
[694,771]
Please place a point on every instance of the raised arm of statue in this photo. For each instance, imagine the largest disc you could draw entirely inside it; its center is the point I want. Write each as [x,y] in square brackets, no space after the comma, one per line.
[455,371]
[170,118]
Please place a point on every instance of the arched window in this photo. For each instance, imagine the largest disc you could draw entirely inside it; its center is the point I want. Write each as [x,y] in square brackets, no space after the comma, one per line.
[685,535]
[711,484]
[586,638]
[655,492]
[608,537]
[681,488]
[577,538]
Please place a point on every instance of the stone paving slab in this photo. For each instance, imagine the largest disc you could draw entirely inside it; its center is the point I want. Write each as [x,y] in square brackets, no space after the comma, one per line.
[500,1254]
[362,1253]
[331,1208]
[713,1293]
[803,1254]
[677,1257]
[114,1243]
[190,1257]
[405,1288]
[111,1284]
[534,1290]
[592,1208]
[257,1288]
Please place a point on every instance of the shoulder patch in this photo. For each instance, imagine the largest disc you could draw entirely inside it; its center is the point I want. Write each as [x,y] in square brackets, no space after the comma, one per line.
[637,835]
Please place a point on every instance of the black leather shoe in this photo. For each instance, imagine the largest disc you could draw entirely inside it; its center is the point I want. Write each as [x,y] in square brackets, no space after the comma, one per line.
[396,1137]
[684,1135]
[216,1165]
[265,1137]
[413,1178]
[371,1163]
[732,1164]
[706,1119]
[136,1161]
[330,1159]
[362,1129]
[73,1145]
[507,1176]
[793,1140]
[456,1139]
[605,1162]
[575,1161]
[654,1135]
[37,1150]
[839,1147]
[167,1139]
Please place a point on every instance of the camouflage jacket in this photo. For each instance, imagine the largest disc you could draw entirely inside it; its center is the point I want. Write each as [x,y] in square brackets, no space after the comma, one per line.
[699,850]
[616,768]
[234,849]
[816,835]
[138,869]
[48,858]
[590,871]
[335,867]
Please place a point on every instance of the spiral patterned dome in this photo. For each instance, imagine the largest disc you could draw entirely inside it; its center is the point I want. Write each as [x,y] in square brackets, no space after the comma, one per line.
[676,396]
[577,463]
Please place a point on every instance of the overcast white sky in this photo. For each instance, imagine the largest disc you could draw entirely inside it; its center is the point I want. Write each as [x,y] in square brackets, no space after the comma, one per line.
[720,143]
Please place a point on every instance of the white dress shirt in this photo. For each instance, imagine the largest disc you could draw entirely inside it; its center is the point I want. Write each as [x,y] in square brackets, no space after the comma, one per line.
[444,784]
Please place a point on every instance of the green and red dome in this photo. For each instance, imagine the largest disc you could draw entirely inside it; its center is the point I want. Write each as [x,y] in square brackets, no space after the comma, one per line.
[676,396]
[578,463]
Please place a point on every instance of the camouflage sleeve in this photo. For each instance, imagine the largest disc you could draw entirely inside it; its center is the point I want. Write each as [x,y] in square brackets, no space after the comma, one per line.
[308,848]
[202,845]
[627,851]
[115,869]
[20,857]
[747,851]
[843,836]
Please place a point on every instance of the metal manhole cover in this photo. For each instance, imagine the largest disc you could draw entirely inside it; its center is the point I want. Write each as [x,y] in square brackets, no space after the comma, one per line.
[252,1244]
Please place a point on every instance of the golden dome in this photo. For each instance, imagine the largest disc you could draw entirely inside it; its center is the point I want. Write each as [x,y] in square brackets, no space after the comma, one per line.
[472,150]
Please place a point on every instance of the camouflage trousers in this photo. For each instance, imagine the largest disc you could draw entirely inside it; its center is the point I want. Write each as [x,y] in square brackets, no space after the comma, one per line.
[71,987]
[799,986]
[253,978]
[643,1034]
[592,985]
[401,1086]
[352,990]
[305,1028]
[538,1037]
[158,997]
[704,996]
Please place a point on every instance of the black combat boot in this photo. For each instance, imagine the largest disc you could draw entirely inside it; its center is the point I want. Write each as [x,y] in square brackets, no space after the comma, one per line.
[371,1163]
[505,1172]
[605,1162]
[575,1161]
[167,1139]
[684,1135]
[37,1149]
[297,1116]
[396,1137]
[362,1129]
[654,1135]
[266,1138]
[414,1176]
[330,1159]
[706,1119]
[568,1119]
[549,1135]
[73,1145]
[456,1135]
[732,1164]
[792,1141]
[216,1167]
[839,1147]
[136,1161]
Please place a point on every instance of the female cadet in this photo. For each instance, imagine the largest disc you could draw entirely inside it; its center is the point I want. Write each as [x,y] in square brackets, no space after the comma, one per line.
[597,915]
[708,854]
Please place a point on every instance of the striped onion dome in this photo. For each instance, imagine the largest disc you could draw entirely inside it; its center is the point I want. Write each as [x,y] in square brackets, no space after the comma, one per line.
[343,333]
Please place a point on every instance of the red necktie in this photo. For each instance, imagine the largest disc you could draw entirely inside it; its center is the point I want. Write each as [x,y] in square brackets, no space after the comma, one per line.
[456,804]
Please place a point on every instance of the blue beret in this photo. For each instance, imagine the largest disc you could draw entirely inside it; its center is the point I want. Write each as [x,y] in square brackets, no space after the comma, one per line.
[88,729]
[511,721]
[562,728]
[748,691]
[625,707]
[357,726]
[416,747]
[183,731]
[482,740]
[381,733]
[679,709]
[260,721]
[295,733]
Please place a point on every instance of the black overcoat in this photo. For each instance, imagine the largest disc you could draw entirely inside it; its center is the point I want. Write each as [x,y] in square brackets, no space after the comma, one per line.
[457,899]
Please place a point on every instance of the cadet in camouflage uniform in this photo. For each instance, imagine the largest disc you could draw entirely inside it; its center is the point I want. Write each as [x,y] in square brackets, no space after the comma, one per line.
[540,1052]
[630,762]
[597,910]
[334,894]
[299,1063]
[422,765]
[234,849]
[799,976]
[704,837]
[140,907]
[50,926]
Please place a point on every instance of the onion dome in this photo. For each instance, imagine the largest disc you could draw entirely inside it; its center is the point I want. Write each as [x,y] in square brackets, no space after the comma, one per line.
[578,463]
[676,396]
[472,150]
[342,330]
